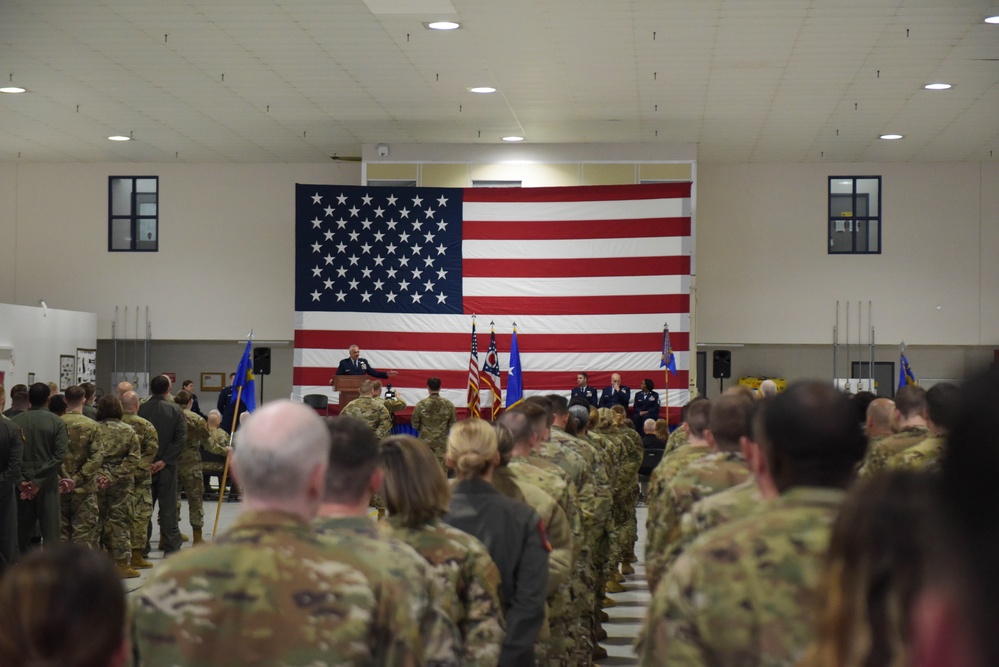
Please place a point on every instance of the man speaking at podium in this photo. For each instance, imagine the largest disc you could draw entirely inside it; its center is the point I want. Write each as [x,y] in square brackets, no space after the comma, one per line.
[357,365]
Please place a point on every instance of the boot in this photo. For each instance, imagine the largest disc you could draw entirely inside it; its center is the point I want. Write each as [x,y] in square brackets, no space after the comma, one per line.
[138,562]
[599,653]
[125,570]
[626,568]
[185,538]
[608,602]
[615,587]
[601,635]
[604,616]
[197,537]
[615,576]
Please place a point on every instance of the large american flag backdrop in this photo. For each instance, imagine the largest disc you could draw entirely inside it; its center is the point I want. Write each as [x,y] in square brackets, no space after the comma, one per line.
[589,275]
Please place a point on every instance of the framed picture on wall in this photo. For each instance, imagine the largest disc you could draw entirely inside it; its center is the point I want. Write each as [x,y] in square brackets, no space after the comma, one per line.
[212,381]
[86,365]
[67,371]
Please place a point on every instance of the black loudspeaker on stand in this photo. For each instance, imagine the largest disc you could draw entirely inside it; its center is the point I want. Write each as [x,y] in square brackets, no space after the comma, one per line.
[261,365]
[721,366]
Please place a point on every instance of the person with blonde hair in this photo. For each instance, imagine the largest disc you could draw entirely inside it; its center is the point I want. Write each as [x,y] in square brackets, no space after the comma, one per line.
[416,495]
[512,532]
[874,571]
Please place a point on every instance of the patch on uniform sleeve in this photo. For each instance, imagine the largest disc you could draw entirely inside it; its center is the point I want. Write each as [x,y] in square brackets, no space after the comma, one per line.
[21,431]
[544,535]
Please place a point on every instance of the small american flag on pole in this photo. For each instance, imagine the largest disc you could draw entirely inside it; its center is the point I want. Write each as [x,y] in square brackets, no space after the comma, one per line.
[491,373]
[473,375]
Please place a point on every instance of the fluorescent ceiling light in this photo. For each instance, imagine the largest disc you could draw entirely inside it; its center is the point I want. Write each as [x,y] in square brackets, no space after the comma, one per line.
[891,137]
[482,89]
[13,90]
[442,25]
[992,19]
[118,137]
[511,138]
[937,86]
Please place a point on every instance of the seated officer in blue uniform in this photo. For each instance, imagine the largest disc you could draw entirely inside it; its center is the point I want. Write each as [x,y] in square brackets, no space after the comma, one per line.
[646,405]
[583,390]
[355,364]
[615,394]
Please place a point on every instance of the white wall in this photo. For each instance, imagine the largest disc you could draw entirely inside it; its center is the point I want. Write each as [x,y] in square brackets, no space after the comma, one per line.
[33,338]
[764,274]
[226,258]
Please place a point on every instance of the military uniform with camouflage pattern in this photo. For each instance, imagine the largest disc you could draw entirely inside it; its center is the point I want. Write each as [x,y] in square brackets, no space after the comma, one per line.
[270,592]
[723,507]
[393,566]
[189,466]
[141,503]
[80,513]
[878,453]
[470,583]
[372,413]
[433,417]
[744,593]
[122,453]
[700,479]
[925,456]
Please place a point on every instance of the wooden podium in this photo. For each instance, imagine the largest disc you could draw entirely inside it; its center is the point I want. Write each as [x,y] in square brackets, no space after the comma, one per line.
[348,387]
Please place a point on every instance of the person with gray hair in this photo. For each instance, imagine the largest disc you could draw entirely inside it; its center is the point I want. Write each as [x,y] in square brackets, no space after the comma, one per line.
[768,389]
[268,590]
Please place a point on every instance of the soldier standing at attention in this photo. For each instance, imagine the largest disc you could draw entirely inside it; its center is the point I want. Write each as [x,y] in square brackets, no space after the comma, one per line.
[743,593]
[44,450]
[121,448]
[189,471]
[171,430]
[404,585]
[268,590]
[11,451]
[433,417]
[88,404]
[141,503]
[370,411]
[82,463]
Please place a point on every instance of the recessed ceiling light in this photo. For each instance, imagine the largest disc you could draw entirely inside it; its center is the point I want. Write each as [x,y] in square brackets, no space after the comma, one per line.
[513,138]
[482,89]
[891,137]
[442,25]
[992,19]
[13,90]
[118,137]
[937,86]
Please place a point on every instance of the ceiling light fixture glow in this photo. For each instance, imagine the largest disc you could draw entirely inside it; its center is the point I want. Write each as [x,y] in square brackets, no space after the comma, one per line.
[442,25]
[13,90]
[992,19]
[891,137]
[118,137]
[483,90]
[512,138]
[937,86]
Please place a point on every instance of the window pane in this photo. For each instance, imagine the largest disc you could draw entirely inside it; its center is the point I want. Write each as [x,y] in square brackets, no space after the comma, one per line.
[873,235]
[841,205]
[870,187]
[121,196]
[145,185]
[145,204]
[121,234]
[841,236]
[841,186]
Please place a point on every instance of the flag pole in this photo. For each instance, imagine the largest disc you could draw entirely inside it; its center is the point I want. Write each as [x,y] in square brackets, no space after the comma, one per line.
[665,362]
[225,467]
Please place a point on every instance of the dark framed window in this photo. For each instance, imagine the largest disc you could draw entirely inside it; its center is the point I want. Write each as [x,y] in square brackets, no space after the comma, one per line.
[133,213]
[854,224]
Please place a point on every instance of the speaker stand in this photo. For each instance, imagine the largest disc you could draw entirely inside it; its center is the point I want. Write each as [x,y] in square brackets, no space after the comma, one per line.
[721,386]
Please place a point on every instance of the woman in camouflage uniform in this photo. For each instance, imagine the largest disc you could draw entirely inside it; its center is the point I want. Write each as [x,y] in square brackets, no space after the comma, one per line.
[416,496]
[122,454]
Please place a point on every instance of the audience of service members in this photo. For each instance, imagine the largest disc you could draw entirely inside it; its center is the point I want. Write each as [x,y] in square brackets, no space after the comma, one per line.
[805,527]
